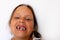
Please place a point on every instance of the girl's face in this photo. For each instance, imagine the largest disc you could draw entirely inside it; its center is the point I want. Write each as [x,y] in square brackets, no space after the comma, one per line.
[22,22]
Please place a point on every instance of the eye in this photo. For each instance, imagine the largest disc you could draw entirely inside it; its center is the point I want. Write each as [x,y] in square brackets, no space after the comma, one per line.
[28,19]
[16,17]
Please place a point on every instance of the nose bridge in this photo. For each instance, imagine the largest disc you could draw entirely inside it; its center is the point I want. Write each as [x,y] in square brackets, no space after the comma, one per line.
[21,20]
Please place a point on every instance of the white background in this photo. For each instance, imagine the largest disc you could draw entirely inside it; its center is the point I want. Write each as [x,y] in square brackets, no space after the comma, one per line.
[47,13]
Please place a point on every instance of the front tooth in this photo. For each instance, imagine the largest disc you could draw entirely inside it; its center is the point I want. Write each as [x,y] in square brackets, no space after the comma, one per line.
[22,28]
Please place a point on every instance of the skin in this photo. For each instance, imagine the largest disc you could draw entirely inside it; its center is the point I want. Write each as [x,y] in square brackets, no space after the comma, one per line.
[22,16]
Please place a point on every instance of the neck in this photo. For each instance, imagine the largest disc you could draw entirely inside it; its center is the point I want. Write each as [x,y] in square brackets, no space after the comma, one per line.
[18,38]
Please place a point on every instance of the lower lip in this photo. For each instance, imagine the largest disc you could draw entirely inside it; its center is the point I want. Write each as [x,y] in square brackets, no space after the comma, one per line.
[20,30]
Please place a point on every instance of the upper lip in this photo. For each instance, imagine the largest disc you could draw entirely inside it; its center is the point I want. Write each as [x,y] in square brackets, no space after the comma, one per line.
[21,25]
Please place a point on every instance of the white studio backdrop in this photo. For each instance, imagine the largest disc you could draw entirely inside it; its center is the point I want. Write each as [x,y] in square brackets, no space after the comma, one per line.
[47,13]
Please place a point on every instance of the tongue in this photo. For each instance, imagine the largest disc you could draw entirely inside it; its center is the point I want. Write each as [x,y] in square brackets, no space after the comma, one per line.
[20,28]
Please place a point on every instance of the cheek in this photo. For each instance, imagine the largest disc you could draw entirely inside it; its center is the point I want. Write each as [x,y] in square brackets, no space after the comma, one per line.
[30,26]
[12,25]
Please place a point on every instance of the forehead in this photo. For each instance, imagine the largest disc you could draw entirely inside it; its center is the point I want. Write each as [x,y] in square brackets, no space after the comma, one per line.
[23,10]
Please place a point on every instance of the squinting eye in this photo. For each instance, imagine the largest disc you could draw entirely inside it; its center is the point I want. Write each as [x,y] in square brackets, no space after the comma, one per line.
[28,19]
[16,17]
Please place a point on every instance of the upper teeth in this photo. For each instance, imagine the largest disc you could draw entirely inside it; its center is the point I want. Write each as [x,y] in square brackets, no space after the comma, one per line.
[21,28]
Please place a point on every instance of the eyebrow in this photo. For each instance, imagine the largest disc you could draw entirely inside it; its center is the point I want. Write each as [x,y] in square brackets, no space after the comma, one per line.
[25,15]
[28,15]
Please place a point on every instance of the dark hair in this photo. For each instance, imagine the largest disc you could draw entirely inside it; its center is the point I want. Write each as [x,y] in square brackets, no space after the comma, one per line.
[35,32]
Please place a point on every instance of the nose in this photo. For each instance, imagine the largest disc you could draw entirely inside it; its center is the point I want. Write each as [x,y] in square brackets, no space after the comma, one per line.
[21,20]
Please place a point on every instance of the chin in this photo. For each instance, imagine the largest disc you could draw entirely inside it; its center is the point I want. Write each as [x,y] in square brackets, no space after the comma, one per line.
[21,35]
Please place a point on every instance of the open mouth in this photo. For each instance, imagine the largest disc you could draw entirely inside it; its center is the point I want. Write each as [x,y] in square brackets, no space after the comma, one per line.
[21,28]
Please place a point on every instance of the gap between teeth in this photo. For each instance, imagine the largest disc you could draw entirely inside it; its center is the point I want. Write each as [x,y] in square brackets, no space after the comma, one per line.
[22,28]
